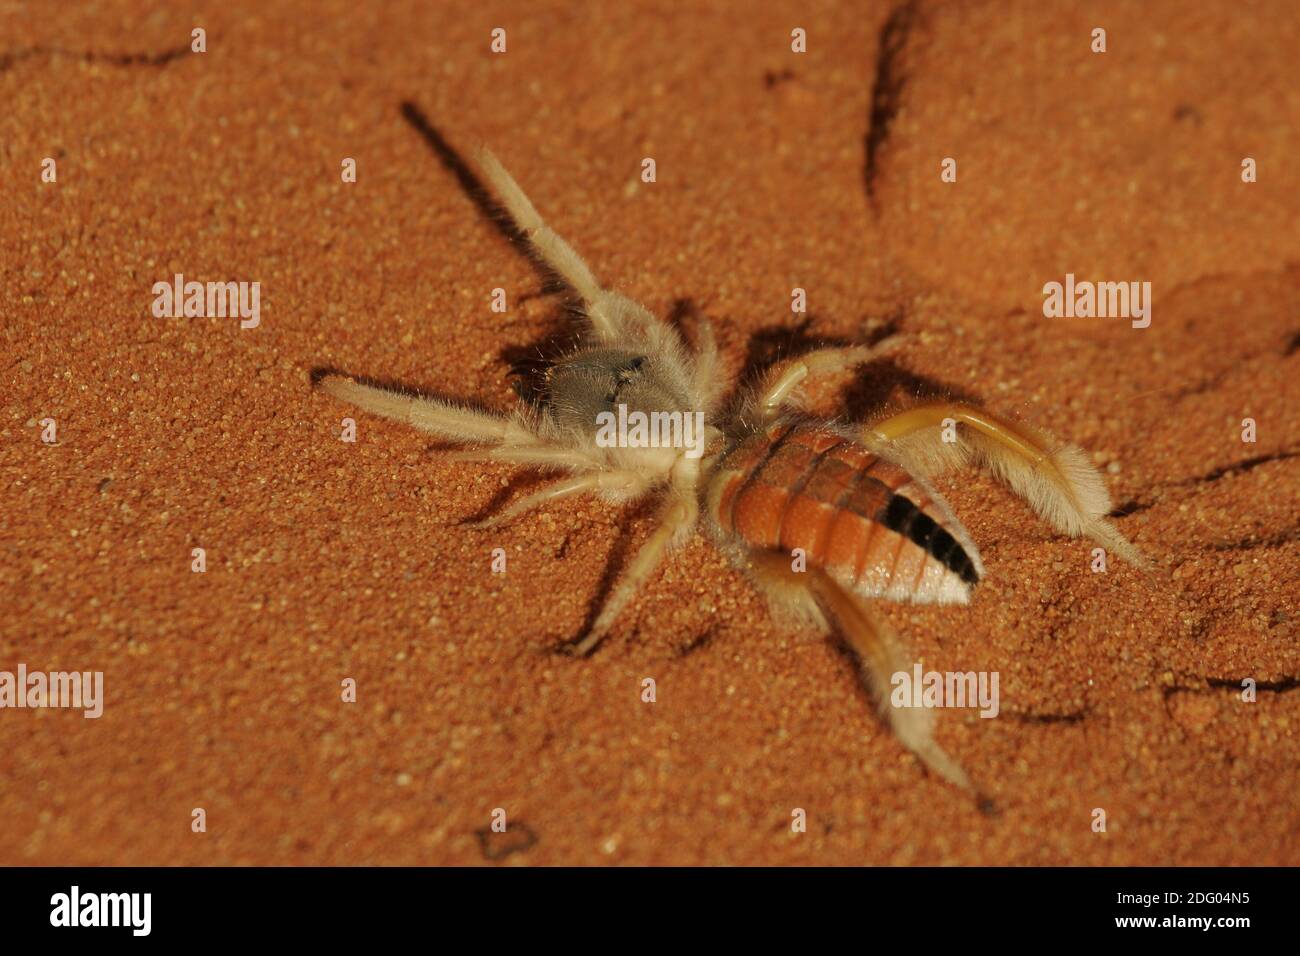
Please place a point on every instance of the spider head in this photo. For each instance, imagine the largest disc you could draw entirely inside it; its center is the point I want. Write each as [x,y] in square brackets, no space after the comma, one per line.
[597,386]
[582,385]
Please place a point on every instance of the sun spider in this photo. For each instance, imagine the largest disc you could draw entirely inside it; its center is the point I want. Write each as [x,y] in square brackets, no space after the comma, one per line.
[773,481]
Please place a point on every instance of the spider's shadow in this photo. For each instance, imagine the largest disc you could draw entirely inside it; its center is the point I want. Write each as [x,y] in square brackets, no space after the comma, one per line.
[887,382]
[614,563]
[477,193]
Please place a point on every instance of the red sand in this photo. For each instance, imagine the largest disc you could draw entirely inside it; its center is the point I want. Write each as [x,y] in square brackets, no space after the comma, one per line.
[329,560]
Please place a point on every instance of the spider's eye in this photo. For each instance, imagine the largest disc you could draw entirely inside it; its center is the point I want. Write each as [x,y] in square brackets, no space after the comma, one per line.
[627,371]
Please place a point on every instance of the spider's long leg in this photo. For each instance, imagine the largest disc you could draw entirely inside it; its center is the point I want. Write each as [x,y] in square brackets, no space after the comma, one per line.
[614,317]
[622,481]
[539,456]
[428,414]
[706,378]
[1057,481]
[550,245]
[677,514]
[880,652]
[779,387]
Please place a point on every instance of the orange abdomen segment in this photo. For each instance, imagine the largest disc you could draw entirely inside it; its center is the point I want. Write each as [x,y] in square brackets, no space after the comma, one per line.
[863,519]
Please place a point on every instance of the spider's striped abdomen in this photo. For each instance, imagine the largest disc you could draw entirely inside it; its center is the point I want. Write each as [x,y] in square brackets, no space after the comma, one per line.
[863,519]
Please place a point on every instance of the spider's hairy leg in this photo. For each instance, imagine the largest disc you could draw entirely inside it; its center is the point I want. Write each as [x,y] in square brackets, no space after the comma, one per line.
[1056,480]
[553,249]
[678,514]
[429,414]
[780,385]
[538,455]
[707,378]
[880,652]
[621,482]
[614,317]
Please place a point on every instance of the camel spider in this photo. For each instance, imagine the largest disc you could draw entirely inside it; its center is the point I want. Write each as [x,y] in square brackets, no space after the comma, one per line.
[772,478]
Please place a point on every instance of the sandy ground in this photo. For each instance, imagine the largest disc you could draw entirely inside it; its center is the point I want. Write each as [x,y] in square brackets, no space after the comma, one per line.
[328,560]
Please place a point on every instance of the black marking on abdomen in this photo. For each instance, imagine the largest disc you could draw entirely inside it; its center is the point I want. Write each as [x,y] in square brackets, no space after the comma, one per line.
[902,516]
